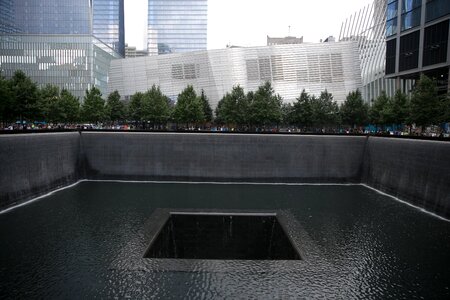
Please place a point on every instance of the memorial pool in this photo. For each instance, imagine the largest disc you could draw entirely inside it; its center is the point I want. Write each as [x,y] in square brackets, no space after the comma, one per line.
[86,241]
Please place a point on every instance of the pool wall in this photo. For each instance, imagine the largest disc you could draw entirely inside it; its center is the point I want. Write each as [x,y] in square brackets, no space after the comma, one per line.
[35,164]
[223,157]
[413,170]
[416,171]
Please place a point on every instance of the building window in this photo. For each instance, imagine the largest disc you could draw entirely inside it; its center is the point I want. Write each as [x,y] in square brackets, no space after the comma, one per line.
[437,9]
[391,18]
[409,51]
[411,11]
[391,47]
[435,44]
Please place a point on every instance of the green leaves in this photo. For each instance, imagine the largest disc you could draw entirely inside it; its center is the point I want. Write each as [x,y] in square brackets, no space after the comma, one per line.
[115,109]
[155,106]
[93,108]
[262,107]
[425,102]
[354,111]
[189,108]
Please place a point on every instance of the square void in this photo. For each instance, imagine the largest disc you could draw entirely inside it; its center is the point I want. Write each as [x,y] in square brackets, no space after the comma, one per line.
[222,236]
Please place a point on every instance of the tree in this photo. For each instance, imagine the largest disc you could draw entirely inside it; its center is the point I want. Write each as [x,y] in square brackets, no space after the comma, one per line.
[6,101]
[266,106]
[444,116]
[115,109]
[325,112]
[233,108]
[302,114]
[70,107]
[286,114]
[188,108]
[397,109]
[425,103]
[354,111]
[207,110]
[378,112]
[48,103]
[25,96]
[93,108]
[155,106]
[135,107]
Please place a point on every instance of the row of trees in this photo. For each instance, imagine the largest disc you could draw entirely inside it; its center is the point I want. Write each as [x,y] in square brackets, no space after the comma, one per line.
[424,107]
[21,99]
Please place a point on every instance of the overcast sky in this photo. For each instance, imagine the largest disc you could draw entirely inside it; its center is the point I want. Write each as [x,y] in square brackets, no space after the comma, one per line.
[248,22]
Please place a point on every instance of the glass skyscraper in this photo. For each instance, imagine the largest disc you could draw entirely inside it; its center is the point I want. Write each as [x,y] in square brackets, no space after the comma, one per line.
[108,23]
[177,26]
[69,43]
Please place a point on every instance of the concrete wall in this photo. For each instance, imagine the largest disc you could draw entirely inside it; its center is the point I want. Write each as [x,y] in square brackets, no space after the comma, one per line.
[34,164]
[412,170]
[223,157]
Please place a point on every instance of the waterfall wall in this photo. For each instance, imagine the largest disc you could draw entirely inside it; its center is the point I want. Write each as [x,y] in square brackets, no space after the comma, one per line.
[35,164]
[413,170]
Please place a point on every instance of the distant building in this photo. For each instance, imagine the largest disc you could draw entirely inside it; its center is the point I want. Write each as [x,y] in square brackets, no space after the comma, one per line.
[177,26]
[417,40]
[130,52]
[367,27]
[65,43]
[316,67]
[289,40]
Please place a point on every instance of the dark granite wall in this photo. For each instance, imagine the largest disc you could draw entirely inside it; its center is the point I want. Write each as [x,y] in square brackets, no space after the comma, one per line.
[223,157]
[413,170]
[35,164]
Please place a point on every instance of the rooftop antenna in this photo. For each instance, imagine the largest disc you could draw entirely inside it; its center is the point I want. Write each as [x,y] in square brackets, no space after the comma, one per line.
[289,32]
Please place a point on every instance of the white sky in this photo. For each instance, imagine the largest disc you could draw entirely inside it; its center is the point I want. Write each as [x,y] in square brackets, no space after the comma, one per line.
[248,22]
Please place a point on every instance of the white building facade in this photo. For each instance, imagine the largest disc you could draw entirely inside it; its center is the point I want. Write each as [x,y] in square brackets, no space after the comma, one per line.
[334,67]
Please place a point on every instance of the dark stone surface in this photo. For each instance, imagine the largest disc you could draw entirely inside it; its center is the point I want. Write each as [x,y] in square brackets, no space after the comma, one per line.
[203,157]
[35,164]
[412,170]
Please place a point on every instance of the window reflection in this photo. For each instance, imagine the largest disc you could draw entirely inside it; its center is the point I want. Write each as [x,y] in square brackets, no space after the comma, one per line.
[411,19]
[391,27]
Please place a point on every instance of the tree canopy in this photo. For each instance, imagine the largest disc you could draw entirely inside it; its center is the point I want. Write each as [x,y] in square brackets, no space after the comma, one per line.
[188,108]
[354,111]
[93,108]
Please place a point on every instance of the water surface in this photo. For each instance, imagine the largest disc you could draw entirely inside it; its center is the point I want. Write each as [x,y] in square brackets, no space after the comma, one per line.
[77,243]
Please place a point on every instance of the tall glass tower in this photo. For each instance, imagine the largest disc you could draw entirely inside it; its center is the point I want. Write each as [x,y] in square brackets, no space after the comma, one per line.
[108,23]
[68,43]
[177,26]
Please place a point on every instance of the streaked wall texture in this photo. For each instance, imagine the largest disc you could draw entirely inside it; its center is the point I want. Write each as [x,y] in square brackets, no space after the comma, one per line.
[291,68]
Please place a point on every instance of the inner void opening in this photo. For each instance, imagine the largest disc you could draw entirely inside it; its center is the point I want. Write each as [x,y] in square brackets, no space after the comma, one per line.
[222,236]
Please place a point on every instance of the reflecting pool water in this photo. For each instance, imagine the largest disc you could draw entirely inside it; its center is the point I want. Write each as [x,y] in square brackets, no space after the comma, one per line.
[87,242]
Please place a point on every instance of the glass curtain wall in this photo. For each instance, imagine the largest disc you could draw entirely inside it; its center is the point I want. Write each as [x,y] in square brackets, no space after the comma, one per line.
[391,17]
[411,10]
[53,17]
[177,26]
[108,23]
[437,9]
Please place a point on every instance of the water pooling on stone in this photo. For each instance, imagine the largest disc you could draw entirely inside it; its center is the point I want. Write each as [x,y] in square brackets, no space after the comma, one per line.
[86,242]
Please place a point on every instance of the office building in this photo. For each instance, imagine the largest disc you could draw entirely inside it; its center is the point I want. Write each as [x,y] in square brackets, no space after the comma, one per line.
[177,26]
[289,40]
[131,51]
[417,40]
[68,43]
[367,27]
